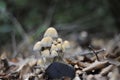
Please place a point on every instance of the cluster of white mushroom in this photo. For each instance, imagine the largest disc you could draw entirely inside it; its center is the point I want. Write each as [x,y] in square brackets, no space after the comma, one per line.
[51,45]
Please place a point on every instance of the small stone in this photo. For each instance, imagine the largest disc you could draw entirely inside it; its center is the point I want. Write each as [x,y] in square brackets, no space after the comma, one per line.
[57,70]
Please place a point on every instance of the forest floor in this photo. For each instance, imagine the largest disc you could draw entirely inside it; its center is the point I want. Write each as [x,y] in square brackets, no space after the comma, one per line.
[101,61]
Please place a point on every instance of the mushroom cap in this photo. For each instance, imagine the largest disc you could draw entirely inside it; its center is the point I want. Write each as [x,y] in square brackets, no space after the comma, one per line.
[45,53]
[46,42]
[54,53]
[53,47]
[65,45]
[54,42]
[59,40]
[59,46]
[51,32]
[40,62]
[37,46]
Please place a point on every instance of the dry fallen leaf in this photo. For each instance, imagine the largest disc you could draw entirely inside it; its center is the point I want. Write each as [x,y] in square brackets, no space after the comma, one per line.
[106,70]
[115,75]
[96,65]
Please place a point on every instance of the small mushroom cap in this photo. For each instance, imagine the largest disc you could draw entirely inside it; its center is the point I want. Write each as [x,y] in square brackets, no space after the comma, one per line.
[40,62]
[37,46]
[55,42]
[51,32]
[59,40]
[54,53]
[65,45]
[59,46]
[53,47]
[46,42]
[45,53]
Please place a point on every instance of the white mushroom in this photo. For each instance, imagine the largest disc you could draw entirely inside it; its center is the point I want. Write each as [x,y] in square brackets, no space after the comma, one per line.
[40,62]
[53,47]
[55,42]
[46,42]
[59,46]
[37,46]
[59,40]
[54,53]
[51,32]
[45,53]
[65,45]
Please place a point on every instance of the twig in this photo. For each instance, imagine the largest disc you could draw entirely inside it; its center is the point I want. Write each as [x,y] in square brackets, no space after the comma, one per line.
[87,52]
[90,47]
[17,25]
[20,29]
[90,52]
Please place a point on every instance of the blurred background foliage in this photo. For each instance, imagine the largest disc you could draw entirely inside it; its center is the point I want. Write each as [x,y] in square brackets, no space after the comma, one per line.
[27,19]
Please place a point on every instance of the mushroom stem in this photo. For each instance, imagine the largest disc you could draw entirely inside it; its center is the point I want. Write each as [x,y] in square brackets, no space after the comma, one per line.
[91,48]
[44,60]
[59,58]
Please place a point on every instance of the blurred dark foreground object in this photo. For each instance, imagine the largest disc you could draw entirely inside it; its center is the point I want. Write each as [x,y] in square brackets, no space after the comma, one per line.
[58,70]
